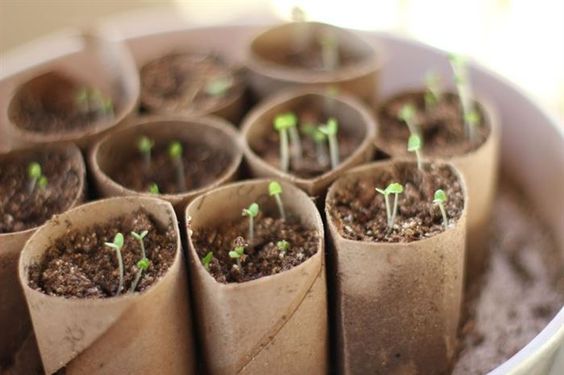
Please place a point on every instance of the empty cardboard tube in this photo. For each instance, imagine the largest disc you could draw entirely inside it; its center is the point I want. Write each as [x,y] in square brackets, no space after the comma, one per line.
[397,304]
[276,324]
[140,333]
[15,323]
[352,116]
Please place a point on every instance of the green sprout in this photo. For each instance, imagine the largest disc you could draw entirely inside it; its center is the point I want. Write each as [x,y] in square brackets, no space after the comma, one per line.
[140,237]
[219,86]
[154,188]
[440,199]
[329,50]
[117,244]
[469,112]
[92,100]
[286,123]
[142,265]
[330,131]
[275,190]
[145,145]
[283,246]
[252,212]
[320,140]
[207,260]
[433,92]
[35,177]
[237,253]
[415,144]
[396,189]
[175,151]
[407,114]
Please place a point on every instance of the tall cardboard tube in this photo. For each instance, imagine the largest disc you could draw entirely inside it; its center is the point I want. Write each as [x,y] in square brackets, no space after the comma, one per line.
[276,324]
[397,304]
[141,333]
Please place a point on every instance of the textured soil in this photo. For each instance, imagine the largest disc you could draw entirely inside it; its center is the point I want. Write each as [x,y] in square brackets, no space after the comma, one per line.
[359,211]
[202,166]
[49,105]
[176,82]
[442,127]
[262,257]
[79,265]
[21,209]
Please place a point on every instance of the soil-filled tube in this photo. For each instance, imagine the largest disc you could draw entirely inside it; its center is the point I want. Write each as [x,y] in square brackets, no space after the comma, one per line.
[65,171]
[397,303]
[275,324]
[133,333]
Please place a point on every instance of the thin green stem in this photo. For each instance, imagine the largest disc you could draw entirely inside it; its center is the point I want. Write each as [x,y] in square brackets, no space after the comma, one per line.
[334,150]
[443,212]
[419,160]
[284,156]
[388,212]
[136,281]
[296,146]
[251,230]
[280,206]
[120,265]
[31,184]
[394,211]
[321,153]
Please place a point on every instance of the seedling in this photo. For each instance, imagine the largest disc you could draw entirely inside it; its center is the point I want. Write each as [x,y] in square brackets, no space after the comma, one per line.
[154,188]
[145,145]
[207,260]
[140,237]
[396,189]
[320,140]
[142,265]
[252,212]
[35,177]
[275,190]
[237,253]
[92,100]
[469,113]
[283,246]
[175,151]
[219,86]
[117,244]
[407,114]
[330,130]
[440,199]
[433,92]
[414,144]
[329,50]
[285,124]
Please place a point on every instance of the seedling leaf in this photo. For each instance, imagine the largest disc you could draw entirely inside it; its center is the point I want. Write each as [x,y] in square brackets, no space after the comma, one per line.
[34,170]
[206,260]
[414,143]
[285,121]
[395,188]
[440,196]
[143,264]
[252,210]
[274,188]
[175,150]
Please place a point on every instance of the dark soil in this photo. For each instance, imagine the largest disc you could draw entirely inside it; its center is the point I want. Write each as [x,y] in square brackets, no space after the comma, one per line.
[51,104]
[79,265]
[359,211]
[20,209]
[262,258]
[176,82]
[202,166]
[442,127]
[268,147]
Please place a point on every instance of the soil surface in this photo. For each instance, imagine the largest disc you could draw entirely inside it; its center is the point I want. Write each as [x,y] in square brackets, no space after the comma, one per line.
[262,257]
[54,103]
[79,265]
[177,82]
[311,165]
[202,165]
[442,126]
[20,208]
[359,211]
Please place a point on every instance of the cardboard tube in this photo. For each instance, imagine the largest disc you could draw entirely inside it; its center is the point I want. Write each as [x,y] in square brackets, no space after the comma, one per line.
[267,74]
[352,115]
[111,151]
[480,170]
[397,304]
[102,63]
[15,324]
[276,324]
[141,333]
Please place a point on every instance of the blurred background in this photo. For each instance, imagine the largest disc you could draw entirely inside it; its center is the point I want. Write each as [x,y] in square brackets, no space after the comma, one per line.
[522,40]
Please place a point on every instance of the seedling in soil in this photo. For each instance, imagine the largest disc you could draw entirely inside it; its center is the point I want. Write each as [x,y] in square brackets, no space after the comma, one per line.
[142,265]
[469,113]
[407,114]
[252,212]
[440,199]
[330,130]
[140,237]
[207,260]
[329,50]
[218,87]
[285,124]
[237,253]
[414,144]
[175,151]
[396,189]
[117,244]
[433,91]
[92,100]
[320,140]
[35,177]
[154,188]
[283,246]
[275,190]
[145,145]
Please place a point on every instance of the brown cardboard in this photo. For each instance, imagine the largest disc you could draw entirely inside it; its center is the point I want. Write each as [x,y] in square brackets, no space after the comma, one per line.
[276,324]
[15,323]
[100,62]
[397,304]
[480,169]
[141,333]
[352,114]
[107,153]
[267,76]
